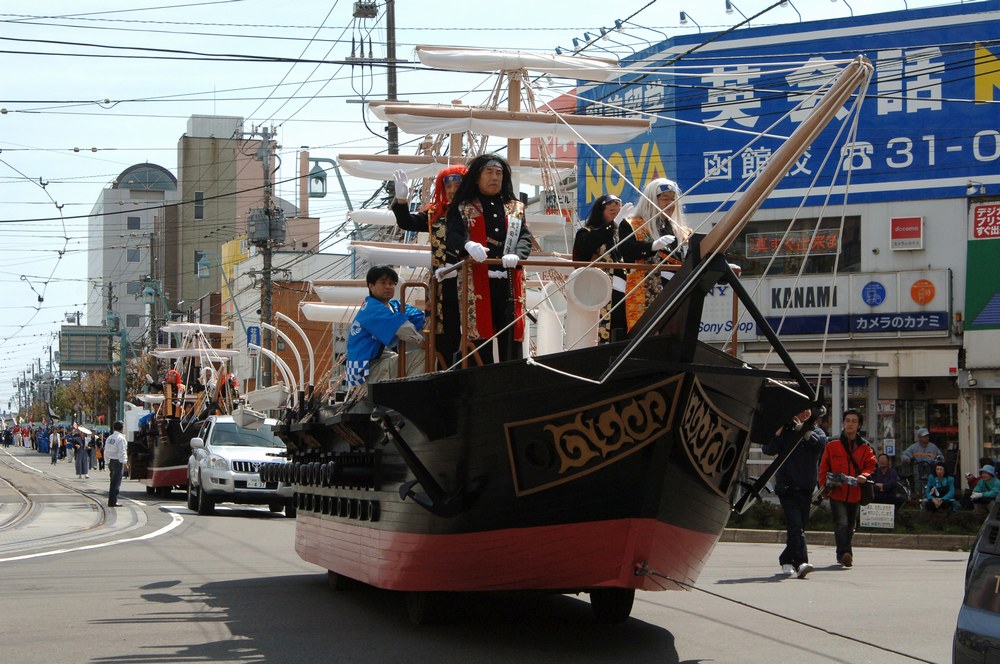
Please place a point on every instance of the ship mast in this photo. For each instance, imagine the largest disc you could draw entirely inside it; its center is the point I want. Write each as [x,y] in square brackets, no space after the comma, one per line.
[735,220]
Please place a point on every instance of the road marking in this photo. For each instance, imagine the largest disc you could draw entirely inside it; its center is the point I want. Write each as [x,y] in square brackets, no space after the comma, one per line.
[176,520]
[23,463]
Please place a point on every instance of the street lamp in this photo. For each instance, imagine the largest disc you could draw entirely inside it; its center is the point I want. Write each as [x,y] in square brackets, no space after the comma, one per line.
[730,7]
[685,17]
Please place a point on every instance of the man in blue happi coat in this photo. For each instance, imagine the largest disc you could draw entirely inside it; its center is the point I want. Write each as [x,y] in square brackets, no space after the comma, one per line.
[381,324]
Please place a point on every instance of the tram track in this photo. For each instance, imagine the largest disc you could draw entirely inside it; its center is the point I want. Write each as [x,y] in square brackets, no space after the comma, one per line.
[30,484]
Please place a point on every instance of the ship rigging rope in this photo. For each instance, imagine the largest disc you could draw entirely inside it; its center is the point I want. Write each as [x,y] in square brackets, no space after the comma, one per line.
[855,112]
[642,570]
[703,265]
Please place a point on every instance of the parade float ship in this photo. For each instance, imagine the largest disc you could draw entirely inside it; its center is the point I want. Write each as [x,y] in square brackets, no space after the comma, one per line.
[601,469]
[197,385]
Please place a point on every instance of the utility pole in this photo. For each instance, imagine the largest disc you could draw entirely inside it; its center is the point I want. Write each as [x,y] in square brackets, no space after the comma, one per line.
[266,229]
[390,56]
[368,9]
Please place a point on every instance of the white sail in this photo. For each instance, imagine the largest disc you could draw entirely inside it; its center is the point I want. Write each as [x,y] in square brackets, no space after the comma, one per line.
[447,119]
[491,60]
[328,313]
[194,351]
[383,166]
[391,253]
[206,328]
[373,216]
[347,291]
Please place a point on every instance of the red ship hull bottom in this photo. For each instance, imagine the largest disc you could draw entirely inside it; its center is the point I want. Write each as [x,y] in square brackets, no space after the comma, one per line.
[158,477]
[563,557]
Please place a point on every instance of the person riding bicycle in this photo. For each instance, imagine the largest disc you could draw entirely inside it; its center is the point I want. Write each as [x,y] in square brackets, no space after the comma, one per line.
[923,454]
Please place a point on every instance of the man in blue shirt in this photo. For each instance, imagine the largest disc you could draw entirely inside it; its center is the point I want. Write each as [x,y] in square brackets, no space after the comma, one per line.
[381,323]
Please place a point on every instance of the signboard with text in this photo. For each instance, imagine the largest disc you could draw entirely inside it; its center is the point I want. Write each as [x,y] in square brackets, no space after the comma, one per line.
[877,515]
[906,233]
[886,304]
[982,290]
[917,137]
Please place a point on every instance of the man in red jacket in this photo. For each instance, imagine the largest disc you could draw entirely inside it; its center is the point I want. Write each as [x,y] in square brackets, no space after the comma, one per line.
[850,455]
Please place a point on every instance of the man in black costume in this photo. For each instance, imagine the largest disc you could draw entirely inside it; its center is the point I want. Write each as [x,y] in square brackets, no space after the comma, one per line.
[486,220]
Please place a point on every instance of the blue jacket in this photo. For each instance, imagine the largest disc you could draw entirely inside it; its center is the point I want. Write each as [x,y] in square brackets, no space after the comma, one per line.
[988,488]
[945,487]
[373,330]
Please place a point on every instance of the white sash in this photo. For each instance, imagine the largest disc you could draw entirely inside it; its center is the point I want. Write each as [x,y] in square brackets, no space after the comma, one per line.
[514,222]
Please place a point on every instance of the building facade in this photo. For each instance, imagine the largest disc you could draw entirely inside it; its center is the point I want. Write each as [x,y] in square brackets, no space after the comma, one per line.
[123,245]
[883,284]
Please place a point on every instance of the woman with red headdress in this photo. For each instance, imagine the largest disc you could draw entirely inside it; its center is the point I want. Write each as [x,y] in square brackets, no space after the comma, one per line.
[432,220]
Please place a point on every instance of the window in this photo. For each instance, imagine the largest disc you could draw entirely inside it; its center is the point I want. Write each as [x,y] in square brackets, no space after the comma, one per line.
[202,265]
[131,320]
[199,205]
[132,255]
[133,223]
[133,288]
[754,248]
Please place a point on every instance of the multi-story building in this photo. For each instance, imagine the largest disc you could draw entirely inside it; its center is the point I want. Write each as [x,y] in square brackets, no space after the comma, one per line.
[896,310]
[221,179]
[122,241]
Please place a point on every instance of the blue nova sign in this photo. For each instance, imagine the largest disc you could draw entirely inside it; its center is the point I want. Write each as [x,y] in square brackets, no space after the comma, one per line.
[926,126]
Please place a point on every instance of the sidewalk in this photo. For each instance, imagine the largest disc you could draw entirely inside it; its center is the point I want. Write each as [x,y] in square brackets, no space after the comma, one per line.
[64,469]
[880,540]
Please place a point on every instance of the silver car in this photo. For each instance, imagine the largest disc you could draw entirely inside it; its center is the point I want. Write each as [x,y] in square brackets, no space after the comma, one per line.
[224,467]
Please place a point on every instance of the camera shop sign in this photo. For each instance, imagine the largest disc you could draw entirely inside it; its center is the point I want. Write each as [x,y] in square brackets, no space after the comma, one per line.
[908,303]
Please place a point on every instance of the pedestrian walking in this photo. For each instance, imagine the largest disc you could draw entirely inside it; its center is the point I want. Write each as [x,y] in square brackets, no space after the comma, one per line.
[115,449]
[794,484]
[81,460]
[849,455]
[54,440]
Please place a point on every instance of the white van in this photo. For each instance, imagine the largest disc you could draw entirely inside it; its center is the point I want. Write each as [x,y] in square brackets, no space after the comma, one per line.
[224,467]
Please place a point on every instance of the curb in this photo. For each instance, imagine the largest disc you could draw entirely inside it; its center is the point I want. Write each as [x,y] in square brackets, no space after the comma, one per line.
[880,540]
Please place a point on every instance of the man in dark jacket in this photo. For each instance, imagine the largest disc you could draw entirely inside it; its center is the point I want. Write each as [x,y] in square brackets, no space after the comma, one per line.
[794,483]
[849,455]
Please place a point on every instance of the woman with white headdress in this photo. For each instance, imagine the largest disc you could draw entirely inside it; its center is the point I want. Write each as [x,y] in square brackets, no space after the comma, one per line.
[655,232]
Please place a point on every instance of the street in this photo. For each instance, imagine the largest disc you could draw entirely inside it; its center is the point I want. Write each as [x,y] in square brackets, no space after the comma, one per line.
[170,586]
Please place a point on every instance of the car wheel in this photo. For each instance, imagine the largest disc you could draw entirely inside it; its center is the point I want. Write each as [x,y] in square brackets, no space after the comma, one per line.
[276,507]
[290,508]
[192,497]
[150,490]
[206,504]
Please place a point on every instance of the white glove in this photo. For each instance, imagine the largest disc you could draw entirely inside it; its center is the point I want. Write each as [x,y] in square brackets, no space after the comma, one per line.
[440,275]
[976,495]
[509,260]
[402,189]
[663,242]
[476,251]
[623,212]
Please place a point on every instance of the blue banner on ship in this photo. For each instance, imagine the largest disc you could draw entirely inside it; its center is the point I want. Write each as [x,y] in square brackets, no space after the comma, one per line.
[926,127]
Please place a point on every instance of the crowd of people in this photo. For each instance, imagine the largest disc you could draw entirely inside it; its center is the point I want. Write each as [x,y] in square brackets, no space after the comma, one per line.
[83,448]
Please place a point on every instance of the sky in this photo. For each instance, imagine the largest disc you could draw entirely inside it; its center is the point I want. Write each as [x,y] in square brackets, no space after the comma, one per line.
[88,91]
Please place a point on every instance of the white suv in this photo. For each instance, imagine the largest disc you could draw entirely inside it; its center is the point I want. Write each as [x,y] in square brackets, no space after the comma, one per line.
[224,467]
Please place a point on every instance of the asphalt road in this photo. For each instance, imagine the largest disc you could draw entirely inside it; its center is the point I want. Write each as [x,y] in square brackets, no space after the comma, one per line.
[155,583]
